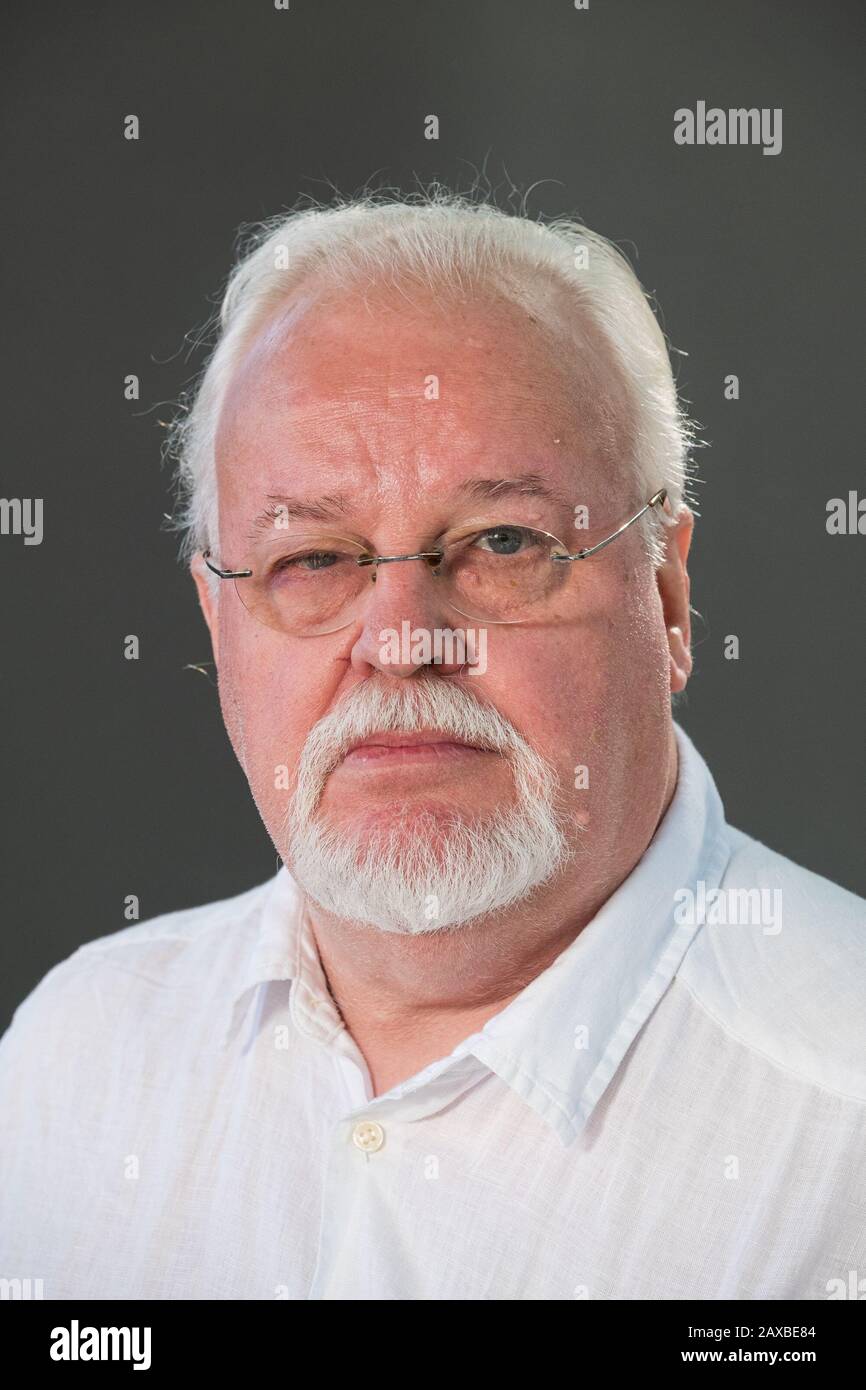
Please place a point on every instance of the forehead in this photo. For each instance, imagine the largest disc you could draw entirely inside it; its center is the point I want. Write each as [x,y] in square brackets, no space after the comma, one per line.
[395,386]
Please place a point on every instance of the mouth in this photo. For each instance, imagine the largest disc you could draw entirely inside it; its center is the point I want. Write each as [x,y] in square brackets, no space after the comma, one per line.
[421,746]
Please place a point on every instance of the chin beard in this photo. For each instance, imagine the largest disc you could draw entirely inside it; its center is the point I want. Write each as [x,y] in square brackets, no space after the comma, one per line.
[424,872]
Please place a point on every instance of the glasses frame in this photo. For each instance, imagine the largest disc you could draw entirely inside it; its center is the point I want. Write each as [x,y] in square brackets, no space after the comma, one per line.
[435,557]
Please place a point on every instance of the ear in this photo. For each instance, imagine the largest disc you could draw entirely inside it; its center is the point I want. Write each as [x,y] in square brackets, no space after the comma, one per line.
[207,597]
[674,586]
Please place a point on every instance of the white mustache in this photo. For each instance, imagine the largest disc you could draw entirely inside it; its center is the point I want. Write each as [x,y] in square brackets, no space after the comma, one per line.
[430,704]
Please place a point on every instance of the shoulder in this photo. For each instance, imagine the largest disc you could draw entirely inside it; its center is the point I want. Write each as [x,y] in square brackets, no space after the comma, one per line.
[133,971]
[780,964]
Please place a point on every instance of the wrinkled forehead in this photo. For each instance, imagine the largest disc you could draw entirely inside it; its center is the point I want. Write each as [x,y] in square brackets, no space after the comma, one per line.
[344,376]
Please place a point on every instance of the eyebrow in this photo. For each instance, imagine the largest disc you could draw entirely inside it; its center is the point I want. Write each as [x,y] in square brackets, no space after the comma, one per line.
[524,485]
[332,505]
[297,509]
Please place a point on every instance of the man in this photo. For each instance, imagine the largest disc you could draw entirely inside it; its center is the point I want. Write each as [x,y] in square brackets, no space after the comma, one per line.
[520,1017]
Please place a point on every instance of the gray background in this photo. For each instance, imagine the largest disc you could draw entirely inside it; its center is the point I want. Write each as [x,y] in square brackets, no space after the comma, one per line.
[118,776]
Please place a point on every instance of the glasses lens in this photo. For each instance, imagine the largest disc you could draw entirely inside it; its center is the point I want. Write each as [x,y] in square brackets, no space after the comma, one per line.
[502,574]
[306,584]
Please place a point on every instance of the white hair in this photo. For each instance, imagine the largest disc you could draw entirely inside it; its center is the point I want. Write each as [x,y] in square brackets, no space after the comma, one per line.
[440,238]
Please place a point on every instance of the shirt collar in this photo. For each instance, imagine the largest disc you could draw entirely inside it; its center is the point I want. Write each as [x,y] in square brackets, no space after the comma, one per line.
[559,1043]
[276,948]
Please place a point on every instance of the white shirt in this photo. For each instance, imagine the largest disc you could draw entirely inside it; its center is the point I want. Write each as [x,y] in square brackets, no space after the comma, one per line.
[670,1110]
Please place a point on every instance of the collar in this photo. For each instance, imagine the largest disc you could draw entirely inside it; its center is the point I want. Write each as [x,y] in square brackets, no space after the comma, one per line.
[276,950]
[559,1043]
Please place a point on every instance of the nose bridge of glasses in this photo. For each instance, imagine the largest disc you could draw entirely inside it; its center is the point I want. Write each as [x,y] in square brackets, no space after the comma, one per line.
[405,596]
[433,558]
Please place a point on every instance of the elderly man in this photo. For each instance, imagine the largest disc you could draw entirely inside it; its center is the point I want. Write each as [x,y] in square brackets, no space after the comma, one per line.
[520,1016]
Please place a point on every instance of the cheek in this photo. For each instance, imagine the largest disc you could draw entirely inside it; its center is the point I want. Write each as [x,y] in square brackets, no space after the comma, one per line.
[588,693]
[268,710]
[548,683]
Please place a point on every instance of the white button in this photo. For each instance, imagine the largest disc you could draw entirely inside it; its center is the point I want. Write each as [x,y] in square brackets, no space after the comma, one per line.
[368,1136]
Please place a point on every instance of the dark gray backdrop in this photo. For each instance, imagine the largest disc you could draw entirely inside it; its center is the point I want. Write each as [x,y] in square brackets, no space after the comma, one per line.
[118,778]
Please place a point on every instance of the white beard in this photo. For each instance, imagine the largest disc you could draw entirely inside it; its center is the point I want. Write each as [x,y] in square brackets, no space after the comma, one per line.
[449,871]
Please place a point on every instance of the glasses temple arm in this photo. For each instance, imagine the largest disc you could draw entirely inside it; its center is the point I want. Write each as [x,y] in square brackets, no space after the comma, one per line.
[224,574]
[658,498]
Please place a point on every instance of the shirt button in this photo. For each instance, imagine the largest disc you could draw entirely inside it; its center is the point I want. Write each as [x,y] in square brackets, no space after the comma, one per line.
[368,1136]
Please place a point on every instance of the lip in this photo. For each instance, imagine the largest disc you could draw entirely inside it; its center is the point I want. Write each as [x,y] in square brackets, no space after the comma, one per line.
[420,746]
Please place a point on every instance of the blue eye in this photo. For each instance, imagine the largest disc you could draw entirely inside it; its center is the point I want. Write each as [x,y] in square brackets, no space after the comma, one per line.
[503,540]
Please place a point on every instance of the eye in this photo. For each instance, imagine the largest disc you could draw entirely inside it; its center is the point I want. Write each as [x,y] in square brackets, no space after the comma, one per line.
[317,559]
[311,560]
[504,540]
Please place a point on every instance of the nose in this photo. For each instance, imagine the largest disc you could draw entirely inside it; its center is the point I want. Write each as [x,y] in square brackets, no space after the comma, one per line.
[401,615]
